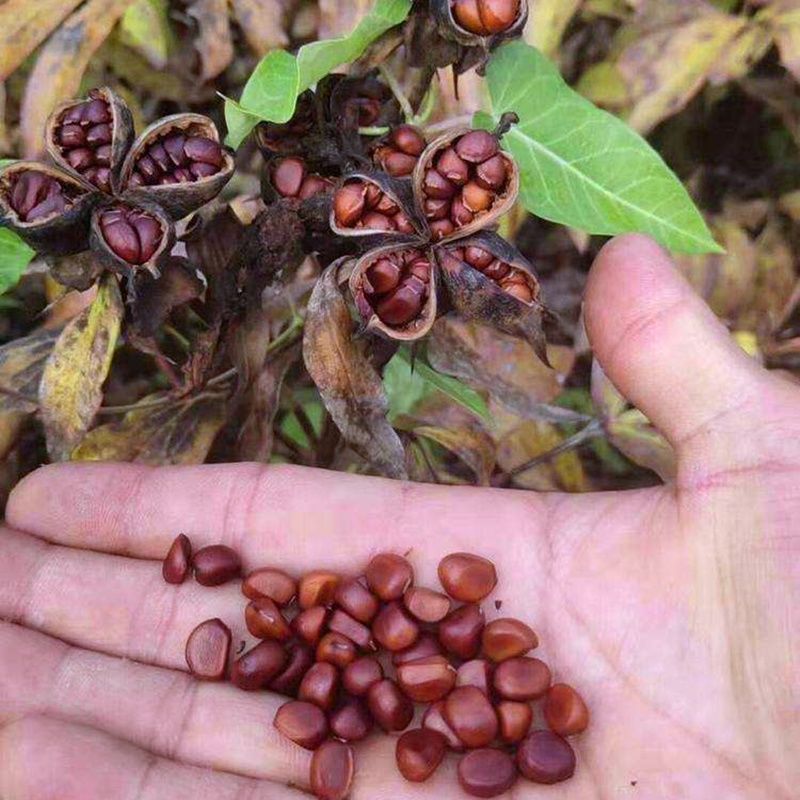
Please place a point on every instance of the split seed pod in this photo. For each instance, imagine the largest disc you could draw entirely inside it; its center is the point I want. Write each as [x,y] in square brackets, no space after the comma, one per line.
[286,138]
[480,23]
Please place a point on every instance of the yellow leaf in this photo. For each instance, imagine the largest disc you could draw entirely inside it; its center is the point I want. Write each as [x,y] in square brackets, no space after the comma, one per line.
[747,48]
[473,447]
[783,19]
[547,22]
[70,392]
[262,23]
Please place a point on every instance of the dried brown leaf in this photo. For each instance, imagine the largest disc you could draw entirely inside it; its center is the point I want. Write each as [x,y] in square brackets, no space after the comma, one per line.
[214,42]
[475,448]
[263,24]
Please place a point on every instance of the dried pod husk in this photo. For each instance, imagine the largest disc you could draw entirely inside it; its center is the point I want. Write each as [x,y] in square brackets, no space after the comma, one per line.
[362,102]
[46,207]
[131,236]
[178,162]
[394,290]
[90,138]
[290,177]
[460,196]
[286,139]
[480,23]
[78,271]
[503,294]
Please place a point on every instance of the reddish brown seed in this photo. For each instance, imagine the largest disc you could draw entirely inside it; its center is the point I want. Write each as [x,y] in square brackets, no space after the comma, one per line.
[215,565]
[320,685]
[272,583]
[469,713]
[103,155]
[121,238]
[207,650]
[377,222]
[441,228]
[476,146]
[545,757]
[317,589]
[390,708]
[148,230]
[200,170]
[351,722]
[288,176]
[310,624]
[565,711]
[397,164]
[522,678]
[437,186]
[177,563]
[476,198]
[98,135]
[373,195]
[402,306]
[80,158]
[386,206]
[314,185]
[348,204]
[486,773]
[497,270]
[426,605]
[28,191]
[402,223]
[467,577]
[360,675]
[522,293]
[72,136]
[419,753]
[453,167]
[174,145]
[300,658]
[477,673]
[478,257]
[436,209]
[498,15]
[201,148]
[96,111]
[433,719]
[492,173]
[160,156]
[336,649]
[332,771]
[341,622]
[383,276]
[426,645]
[51,205]
[352,595]
[426,680]
[460,631]
[507,638]
[389,575]
[393,629]
[515,720]
[408,139]
[265,621]
[302,723]
[148,168]
[459,213]
[256,668]
[468,17]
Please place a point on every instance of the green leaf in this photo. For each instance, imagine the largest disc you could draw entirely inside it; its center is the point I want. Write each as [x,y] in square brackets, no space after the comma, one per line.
[580,165]
[15,255]
[4,162]
[144,27]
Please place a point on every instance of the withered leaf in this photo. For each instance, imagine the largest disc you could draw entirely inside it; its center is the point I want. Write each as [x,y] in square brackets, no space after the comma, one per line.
[474,447]
[71,391]
[263,23]
[350,386]
[214,42]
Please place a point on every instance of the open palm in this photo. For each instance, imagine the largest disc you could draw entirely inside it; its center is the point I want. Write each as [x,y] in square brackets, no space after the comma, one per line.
[675,610]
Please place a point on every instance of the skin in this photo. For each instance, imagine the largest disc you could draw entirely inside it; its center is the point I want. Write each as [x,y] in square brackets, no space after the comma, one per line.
[674,610]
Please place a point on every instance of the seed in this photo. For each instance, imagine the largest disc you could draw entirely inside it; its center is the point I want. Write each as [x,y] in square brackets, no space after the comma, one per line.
[477,673]
[459,213]
[498,15]
[419,753]
[408,139]
[522,293]
[320,685]
[174,145]
[436,209]
[182,175]
[402,306]
[360,675]
[352,595]
[441,228]
[51,205]
[122,240]
[332,771]
[377,222]
[383,276]
[437,186]
[103,155]
[387,206]
[453,167]
[256,668]
[148,230]
[426,680]
[469,713]
[309,624]
[522,678]
[476,146]
[497,270]
[433,719]
[565,711]
[207,650]
[216,564]
[426,645]
[96,111]
[467,577]
[476,198]
[391,709]
[426,605]
[317,589]
[373,195]
[265,621]
[201,148]
[160,156]
[272,583]
[544,757]
[389,575]
[302,723]
[314,185]
[300,659]
[507,638]
[468,17]
[460,632]
[98,135]
[336,649]
[149,169]
[348,204]
[397,164]
[80,159]
[486,773]
[74,115]
[491,174]
[288,176]
[343,623]
[176,564]
[72,136]
[28,192]
[515,720]
[351,722]
[394,629]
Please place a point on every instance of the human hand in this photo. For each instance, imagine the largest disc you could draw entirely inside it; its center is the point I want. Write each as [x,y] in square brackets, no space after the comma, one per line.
[675,610]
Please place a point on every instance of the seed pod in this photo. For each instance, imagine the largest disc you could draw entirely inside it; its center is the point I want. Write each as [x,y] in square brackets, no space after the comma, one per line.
[360,102]
[287,138]
[47,208]
[179,163]
[290,177]
[90,138]
[480,23]
[395,292]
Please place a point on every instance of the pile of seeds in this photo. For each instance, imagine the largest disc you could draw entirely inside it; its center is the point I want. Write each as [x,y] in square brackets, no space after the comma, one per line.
[331,644]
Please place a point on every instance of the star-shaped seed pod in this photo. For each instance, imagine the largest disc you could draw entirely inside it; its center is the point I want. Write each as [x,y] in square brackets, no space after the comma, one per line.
[110,194]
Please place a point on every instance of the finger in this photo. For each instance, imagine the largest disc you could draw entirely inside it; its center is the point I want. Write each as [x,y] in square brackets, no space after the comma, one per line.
[662,346]
[43,758]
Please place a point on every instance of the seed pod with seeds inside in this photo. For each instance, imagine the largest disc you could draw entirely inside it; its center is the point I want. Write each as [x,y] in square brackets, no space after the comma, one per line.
[480,23]
[287,138]
[290,177]
[398,152]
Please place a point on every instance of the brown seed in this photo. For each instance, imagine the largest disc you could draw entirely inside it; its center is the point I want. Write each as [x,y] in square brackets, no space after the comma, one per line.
[302,723]
[314,185]
[288,176]
[72,136]
[507,638]
[373,195]
[544,757]
[498,15]
[522,678]
[351,722]
[433,719]
[478,257]
[389,575]
[160,156]
[377,222]
[397,164]
[148,229]
[98,135]
[352,595]
[348,204]
[515,720]
[201,148]
[103,155]
[436,209]
[476,146]
[317,589]
[469,713]
[403,223]
[256,668]
[178,560]
[468,17]
[300,659]
[393,629]
[565,711]
[426,645]
[200,170]
[492,173]
[121,238]
[522,293]
[174,145]
[426,605]
[441,228]
[332,771]
[265,621]
[460,632]
[336,649]
[360,675]
[215,565]
[477,673]
[419,753]
[453,167]
[310,624]
[207,650]
[390,708]
[341,622]
[459,213]
[96,111]
[437,186]
[476,198]
[383,276]
[408,139]
[272,583]
[51,205]
[80,159]
[320,686]
[486,773]
[387,206]
[400,307]
[467,577]
[426,680]
[497,270]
